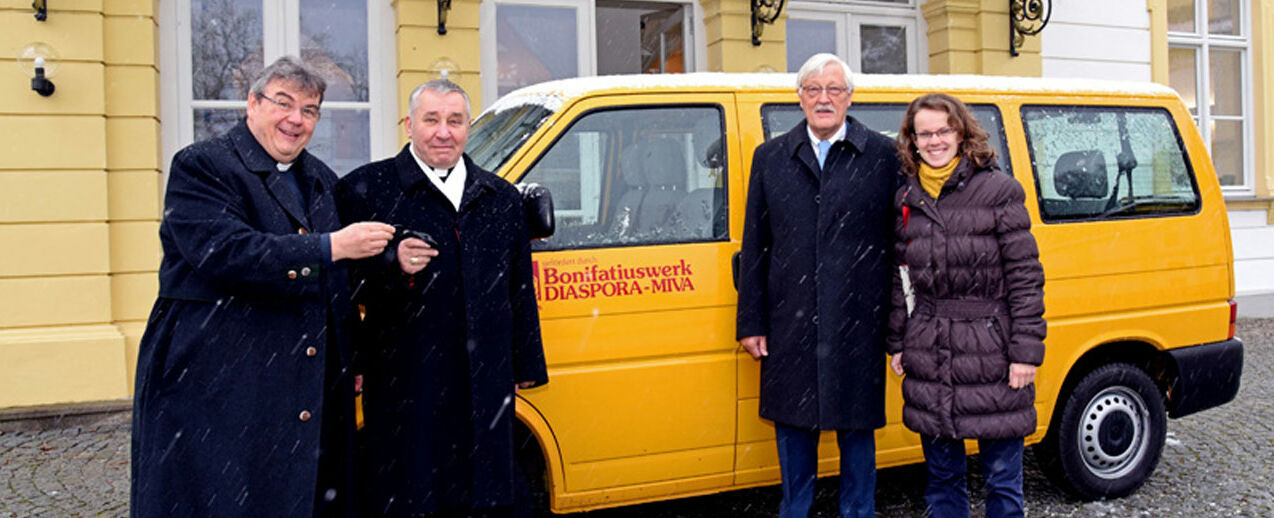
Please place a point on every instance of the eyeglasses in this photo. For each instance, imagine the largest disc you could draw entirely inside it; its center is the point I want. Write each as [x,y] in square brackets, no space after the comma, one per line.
[815,91]
[308,112]
[942,133]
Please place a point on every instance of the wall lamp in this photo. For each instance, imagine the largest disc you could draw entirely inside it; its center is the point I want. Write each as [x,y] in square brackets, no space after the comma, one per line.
[1027,18]
[443,7]
[40,61]
[764,11]
[41,9]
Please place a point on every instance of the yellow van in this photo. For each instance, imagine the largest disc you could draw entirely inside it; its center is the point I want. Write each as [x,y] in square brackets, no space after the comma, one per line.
[651,398]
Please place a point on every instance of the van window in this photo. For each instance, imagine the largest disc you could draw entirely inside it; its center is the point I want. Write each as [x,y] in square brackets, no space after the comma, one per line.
[1095,162]
[636,176]
[886,118]
[496,135]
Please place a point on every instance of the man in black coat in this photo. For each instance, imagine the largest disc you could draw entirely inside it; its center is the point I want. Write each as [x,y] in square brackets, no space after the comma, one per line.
[814,286]
[244,401]
[443,346]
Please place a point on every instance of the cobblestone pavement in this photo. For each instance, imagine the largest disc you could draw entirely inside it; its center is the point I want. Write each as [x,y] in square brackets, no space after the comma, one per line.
[1215,463]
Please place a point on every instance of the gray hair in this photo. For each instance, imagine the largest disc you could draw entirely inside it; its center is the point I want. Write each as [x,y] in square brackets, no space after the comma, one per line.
[440,87]
[291,69]
[815,65]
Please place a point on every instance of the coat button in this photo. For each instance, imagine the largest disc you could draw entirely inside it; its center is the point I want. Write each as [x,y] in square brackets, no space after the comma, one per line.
[305,272]
[302,231]
[818,198]
[291,274]
[305,415]
[311,351]
[814,320]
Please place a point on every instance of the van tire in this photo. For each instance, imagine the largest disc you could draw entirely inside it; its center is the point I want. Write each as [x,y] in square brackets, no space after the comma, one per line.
[1106,440]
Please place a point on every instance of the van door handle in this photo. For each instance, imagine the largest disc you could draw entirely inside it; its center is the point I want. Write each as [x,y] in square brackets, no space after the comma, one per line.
[734,268]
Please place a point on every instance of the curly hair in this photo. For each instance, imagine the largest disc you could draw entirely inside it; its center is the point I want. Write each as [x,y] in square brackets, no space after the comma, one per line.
[973,139]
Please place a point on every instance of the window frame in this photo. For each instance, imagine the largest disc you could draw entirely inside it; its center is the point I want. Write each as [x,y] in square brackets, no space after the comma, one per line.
[586,39]
[1176,132]
[1201,42]
[281,35]
[850,16]
[544,246]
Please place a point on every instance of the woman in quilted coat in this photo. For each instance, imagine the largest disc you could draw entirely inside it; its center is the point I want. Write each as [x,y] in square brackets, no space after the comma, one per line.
[971,338]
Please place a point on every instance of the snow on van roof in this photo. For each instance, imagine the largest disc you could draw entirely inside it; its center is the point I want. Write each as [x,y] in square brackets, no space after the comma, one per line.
[552,94]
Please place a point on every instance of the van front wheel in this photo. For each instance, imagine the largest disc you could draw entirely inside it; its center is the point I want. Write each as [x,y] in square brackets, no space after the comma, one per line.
[1107,439]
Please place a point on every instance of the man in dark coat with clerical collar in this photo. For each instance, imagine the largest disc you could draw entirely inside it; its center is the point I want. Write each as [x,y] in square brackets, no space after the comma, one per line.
[244,399]
[814,286]
[443,346]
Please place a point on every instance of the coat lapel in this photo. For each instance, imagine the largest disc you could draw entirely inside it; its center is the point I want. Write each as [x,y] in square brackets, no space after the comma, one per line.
[258,161]
[277,183]
[798,144]
[476,184]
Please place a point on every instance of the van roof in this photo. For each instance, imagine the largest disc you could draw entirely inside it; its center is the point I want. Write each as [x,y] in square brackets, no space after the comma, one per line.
[552,94]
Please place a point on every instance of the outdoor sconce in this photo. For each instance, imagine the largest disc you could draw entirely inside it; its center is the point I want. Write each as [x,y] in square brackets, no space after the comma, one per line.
[41,9]
[764,11]
[444,67]
[39,60]
[443,7]
[1027,18]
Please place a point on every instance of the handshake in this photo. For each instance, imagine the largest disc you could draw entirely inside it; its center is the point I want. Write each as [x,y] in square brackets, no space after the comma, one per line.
[411,249]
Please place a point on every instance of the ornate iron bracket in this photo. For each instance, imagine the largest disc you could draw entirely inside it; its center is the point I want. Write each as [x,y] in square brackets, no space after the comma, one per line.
[763,12]
[443,7]
[1027,18]
[41,9]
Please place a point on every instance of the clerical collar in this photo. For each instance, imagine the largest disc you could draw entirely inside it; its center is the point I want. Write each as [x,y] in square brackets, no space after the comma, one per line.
[441,175]
[449,181]
[283,166]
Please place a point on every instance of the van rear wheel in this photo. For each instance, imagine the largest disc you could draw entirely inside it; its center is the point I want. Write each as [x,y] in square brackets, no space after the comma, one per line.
[1107,438]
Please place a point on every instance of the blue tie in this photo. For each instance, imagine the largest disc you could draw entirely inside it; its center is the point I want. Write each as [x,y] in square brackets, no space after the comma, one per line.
[823,147]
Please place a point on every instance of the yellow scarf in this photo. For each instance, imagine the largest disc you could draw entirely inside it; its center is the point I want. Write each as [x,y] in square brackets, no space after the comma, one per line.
[933,179]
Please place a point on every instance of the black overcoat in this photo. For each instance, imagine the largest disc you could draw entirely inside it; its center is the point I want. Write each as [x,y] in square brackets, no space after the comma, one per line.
[248,329]
[442,349]
[814,277]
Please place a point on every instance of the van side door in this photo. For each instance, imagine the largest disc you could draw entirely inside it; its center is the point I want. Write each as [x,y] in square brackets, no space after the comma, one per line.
[636,302]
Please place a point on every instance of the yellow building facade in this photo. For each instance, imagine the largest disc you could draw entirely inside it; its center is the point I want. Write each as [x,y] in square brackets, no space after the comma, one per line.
[81,171]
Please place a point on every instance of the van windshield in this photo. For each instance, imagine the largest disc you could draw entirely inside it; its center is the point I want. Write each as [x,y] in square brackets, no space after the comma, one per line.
[495,135]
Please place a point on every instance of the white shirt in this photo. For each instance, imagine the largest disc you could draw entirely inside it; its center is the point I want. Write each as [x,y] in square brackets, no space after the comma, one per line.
[840,135]
[453,186]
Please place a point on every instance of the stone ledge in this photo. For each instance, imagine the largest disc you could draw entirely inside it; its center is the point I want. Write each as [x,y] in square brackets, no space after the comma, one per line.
[63,415]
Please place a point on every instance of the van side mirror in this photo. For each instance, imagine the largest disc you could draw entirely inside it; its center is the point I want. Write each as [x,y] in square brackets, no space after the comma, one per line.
[537,204]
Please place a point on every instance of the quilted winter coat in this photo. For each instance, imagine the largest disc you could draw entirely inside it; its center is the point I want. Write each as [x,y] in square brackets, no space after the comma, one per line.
[979,305]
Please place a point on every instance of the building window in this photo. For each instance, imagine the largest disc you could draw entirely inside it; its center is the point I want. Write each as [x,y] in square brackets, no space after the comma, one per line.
[1209,65]
[216,48]
[873,39]
[531,41]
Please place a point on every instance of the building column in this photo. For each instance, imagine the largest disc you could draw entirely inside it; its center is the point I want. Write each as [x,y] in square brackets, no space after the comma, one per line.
[422,52]
[1263,101]
[134,186]
[1158,11]
[728,28]
[57,338]
[972,37]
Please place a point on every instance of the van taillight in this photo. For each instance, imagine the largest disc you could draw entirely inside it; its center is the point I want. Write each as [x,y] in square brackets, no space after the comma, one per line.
[1234,315]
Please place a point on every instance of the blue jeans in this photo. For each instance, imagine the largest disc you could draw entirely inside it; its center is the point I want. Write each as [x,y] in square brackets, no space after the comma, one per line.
[947,494]
[798,462]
